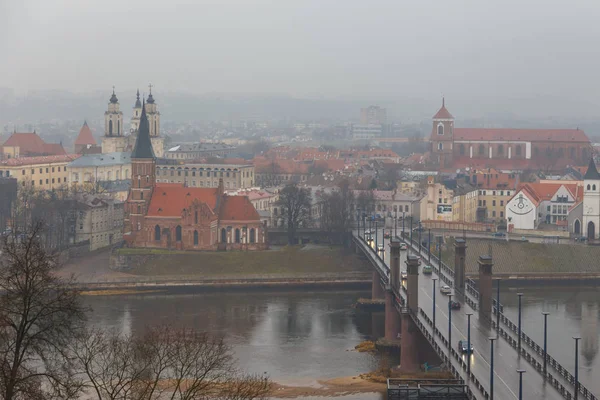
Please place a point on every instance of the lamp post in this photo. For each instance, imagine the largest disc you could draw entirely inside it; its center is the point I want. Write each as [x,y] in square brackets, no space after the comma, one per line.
[376,237]
[469,344]
[498,306]
[440,238]
[434,280]
[577,339]
[545,313]
[429,246]
[411,231]
[402,225]
[492,367]
[420,237]
[396,223]
[449,321]
[358,220]
[521,372]
[519,322]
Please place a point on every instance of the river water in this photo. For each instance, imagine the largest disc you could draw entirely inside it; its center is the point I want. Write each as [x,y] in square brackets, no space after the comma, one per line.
[298,338]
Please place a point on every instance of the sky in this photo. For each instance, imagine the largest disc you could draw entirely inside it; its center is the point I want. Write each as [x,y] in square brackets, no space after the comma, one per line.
[462,49]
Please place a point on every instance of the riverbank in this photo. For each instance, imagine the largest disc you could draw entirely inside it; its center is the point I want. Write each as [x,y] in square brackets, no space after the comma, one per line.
[335,387]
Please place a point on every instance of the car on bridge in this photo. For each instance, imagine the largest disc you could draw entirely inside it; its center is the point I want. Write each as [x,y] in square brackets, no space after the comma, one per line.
[427,270]
[368,237]
[386,235]
[445,289]
[454,305]
[463,346]
[403,246]
[403,274]
[380,247]
[418,229]
[499,234]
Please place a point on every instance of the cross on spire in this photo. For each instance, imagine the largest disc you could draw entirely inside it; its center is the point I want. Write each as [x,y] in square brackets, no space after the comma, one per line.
[113,89]
[150,87]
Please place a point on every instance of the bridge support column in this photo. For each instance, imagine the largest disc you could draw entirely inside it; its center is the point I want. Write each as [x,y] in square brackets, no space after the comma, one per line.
[409,345]
[376,288]
[485,287]
[412,284]
[460,254]
[392,318]
[395,264]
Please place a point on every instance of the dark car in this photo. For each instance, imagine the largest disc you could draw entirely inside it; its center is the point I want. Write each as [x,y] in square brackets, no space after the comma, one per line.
[386,235]
[454,305]
[499,234]
[463,346]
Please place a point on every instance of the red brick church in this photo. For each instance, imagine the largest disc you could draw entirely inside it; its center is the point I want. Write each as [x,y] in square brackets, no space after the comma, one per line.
[505,149]
[173,216]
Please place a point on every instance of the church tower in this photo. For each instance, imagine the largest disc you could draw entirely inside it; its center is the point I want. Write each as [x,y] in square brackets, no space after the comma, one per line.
[154,122]
[591,202]
[442,137]
[113,139]
[137,113]
[143,178]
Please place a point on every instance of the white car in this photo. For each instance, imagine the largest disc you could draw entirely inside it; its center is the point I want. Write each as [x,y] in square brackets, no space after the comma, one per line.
[380,247]
[403,246]
[403,274]
[445,289]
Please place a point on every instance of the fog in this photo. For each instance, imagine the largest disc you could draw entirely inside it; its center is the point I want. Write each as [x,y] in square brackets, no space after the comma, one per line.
[469,51]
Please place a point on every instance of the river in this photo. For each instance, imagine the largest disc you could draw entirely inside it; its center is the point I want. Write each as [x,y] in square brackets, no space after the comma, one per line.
[298,338]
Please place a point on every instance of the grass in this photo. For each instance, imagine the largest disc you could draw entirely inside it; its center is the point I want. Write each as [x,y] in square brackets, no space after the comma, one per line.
[294,260]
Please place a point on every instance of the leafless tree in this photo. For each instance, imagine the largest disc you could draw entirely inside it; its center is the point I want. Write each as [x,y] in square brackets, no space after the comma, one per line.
[295,203]
[164,363]
[337,212]
[365,201]
[39,316]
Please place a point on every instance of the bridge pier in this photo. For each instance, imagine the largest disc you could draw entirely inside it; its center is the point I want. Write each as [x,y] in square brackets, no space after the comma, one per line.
[392,319]
[460,255]
[376,288]
[485,287]
[409,345]
[412,282]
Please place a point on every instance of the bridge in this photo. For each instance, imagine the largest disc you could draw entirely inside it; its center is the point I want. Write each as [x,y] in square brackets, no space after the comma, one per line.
[418,314]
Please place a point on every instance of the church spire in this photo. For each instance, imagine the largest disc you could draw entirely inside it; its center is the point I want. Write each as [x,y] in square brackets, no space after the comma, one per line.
[113,98]
[592,172]
[143,144]
[150,98]
[138,103]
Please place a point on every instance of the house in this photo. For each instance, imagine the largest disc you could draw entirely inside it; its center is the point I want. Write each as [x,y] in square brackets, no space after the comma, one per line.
[29,144]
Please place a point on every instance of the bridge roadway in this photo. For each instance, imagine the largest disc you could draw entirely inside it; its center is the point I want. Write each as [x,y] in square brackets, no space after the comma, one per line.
[506,359]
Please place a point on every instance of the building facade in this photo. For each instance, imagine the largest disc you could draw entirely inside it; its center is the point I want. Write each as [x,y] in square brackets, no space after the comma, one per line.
[42,173]
[591,203]
[195,151]
[234,176]
[99,221]
[91,170]
[174,216]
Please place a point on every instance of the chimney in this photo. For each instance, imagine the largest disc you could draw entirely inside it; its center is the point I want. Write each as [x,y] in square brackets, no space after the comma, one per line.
[220,189]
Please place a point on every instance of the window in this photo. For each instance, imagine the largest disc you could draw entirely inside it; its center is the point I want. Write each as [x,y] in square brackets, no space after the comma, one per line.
[572,153]
[440,129]
[195,238]
[501,202]
[485,203]
[52,169]
[178,233]
[479,203]
[593,187]
[58,169]
[518,150]
[481,149]
[493,203]
[501,214]
[501,149]
[406,208]
[548,209]
[32,171]
[440,200]
[462,149]
[588,187]
[157,233]
[237,235]
[40,170]
[46,170]
[223,235]
[252,235]
[141,195]
[440,146]
[23,172]
[493,213]
[195,217]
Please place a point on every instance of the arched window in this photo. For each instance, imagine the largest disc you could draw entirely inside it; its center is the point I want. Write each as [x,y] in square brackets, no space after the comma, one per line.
[155,128]
[593,187]
[223,235]
[237,235]
[157,233]
[118,127]
[252,235]
[481,149]
[588,187]
[440,146]
[141,195]
[147,179]
[501,149]
[110,127]
[195,238]
[572,153]
[196,217]
[440,129]
[518,150]
[178,233]
[536,151]
[462,149]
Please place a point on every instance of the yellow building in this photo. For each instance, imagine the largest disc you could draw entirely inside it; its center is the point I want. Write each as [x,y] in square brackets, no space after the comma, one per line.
[491,204]
[44,173]
[235,176]
[438,205]
[464,205]
[93,169]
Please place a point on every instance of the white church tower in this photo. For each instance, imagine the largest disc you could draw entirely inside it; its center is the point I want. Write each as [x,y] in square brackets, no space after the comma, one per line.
[137,113]
[114,139]
[591,202]
[154,122]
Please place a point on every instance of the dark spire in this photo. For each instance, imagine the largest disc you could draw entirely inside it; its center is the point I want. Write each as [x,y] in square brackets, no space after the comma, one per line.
[138,103]
[150,98]
[113,98]
[143,144]
[592,172]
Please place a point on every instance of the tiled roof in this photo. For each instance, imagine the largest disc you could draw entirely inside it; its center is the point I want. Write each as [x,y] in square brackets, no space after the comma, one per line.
[30,143]
[528,135]
[237,208]
[592,172]
[545,191]
[443,113]
[170,199]
[39,160]
[85,136]
[104,159]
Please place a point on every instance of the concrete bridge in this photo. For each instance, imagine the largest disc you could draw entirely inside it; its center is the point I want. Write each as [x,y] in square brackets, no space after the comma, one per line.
[421,317]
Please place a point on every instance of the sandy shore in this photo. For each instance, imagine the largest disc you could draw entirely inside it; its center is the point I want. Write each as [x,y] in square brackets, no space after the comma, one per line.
[329,388]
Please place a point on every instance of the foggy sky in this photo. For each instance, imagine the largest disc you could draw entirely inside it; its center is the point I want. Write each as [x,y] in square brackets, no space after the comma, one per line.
[466,50]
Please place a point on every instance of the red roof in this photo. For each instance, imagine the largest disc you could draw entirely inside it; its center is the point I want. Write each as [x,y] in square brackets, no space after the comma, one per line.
[542,191]
[443,113]
[170,199]
[85,136]
[40,160]
[529,135]
[238,208]
[30,144]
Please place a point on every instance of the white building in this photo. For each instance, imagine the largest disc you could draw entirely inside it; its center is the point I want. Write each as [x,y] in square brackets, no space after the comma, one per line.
[591,202]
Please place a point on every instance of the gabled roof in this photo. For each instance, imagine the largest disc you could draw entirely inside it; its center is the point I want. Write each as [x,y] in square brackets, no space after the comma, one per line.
[39,160]
[31,144]
[143,144]
[443,113]
[85,136]
[592,172]
[237,208]
[527,135]
[170,199]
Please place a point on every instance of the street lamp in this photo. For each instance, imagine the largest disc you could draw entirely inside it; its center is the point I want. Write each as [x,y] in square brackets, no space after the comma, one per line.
[469,344]
[420,242]
[376,237]
[449,321]
[492,367]
[429,246]
[577,339]
[519,322]
[440,238]
[521,372]
[403,225]
[498,306]
[545,313]
[434,280]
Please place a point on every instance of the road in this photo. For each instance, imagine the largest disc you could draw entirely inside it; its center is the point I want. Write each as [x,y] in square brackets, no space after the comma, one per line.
[506,358]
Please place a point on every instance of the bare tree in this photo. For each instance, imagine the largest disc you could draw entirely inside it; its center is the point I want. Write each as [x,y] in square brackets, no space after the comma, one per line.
[365,201]
[164,363]
[295,203]
[337,212]
[39,316]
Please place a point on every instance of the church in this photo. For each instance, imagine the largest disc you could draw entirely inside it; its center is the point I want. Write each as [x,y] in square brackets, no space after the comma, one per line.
[117,140]
[174,216]
[545,150]
[591,203]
